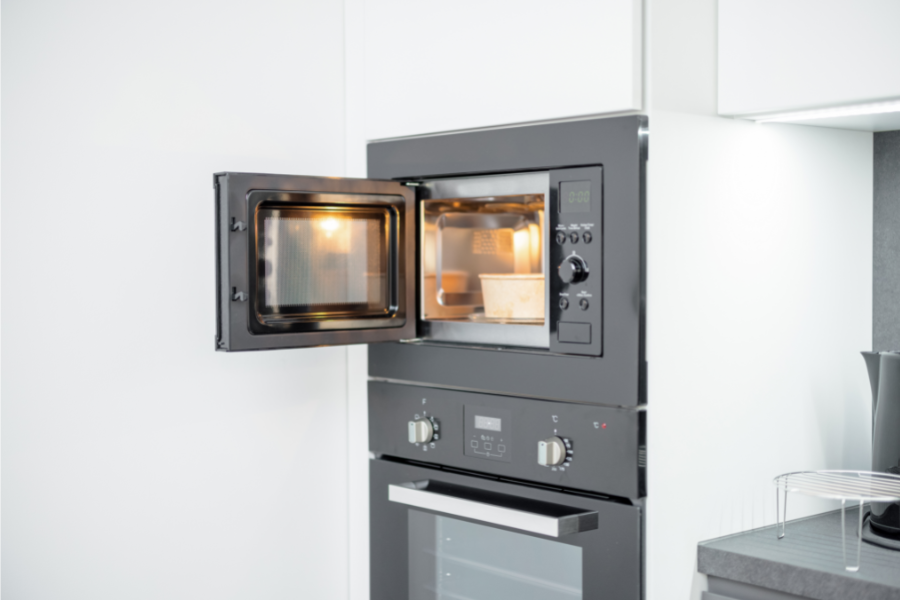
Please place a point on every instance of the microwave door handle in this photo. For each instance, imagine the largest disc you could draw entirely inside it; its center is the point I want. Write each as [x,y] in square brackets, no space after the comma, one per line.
[412,494]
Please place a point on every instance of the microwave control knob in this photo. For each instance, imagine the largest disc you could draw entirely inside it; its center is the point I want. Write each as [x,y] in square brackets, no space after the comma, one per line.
[551,452]
[421,431]
[573,270]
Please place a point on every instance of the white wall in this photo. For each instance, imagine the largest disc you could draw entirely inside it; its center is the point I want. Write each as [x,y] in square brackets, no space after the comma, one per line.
[138,462]
[759,301]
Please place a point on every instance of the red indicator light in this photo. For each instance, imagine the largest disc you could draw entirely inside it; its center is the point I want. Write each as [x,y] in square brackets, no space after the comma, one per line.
[603,426]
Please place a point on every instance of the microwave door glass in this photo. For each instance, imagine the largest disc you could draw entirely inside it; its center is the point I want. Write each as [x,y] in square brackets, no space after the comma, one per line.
[313,261]
[319,263]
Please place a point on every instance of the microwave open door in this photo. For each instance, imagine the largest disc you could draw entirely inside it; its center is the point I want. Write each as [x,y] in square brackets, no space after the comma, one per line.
[313,261]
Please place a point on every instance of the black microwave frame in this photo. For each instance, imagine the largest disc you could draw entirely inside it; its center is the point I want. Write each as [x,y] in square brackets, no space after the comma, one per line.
[617,144]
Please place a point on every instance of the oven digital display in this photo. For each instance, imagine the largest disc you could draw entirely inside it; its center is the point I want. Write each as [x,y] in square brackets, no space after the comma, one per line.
[575,196]
[488,423]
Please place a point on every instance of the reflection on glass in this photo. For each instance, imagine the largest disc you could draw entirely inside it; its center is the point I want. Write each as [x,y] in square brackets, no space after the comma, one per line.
[315,262]
[451,559]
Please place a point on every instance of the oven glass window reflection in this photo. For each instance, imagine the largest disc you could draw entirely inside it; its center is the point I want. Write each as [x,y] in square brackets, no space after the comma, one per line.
[451,559]
[317,263]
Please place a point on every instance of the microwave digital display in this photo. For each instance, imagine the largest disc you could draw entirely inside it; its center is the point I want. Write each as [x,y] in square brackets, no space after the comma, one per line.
[575,196]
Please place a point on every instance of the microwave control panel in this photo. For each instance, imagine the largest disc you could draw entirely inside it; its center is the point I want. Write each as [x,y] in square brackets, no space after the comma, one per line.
[576,261]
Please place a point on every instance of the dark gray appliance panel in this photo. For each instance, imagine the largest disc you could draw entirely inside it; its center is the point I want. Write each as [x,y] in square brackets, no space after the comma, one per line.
[607,456]
[576,253]
[619,146]
[611,553]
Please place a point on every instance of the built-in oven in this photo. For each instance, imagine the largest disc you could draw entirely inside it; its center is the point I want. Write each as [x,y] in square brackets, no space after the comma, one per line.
[506,430]
[437,534]
[478,496]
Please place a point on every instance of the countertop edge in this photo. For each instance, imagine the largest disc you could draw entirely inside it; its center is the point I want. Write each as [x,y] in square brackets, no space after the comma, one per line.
[786,578]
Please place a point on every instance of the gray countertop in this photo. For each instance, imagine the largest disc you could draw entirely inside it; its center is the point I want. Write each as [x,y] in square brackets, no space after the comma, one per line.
[807,561]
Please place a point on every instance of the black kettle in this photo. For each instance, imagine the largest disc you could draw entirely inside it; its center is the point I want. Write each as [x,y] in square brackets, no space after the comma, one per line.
[884,377]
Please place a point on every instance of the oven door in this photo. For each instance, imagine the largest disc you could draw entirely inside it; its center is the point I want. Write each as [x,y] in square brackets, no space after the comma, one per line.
[312,261]
[441,535]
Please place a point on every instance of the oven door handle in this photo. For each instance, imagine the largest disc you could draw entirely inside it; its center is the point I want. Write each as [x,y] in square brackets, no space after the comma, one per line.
[554,521]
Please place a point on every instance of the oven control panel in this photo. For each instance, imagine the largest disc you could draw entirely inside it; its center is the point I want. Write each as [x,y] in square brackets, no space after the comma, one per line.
[576,261]
[485,433]
[504,436]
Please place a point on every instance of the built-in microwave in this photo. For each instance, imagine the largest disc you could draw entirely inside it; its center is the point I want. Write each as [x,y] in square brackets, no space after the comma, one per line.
[307,261]
[407,255]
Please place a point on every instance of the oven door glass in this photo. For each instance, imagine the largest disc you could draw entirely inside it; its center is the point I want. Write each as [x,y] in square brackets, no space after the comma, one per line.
[451,558]
[441,535]
[307,261]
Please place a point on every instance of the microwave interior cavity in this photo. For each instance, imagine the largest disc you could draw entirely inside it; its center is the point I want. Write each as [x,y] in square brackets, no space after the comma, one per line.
[483,260]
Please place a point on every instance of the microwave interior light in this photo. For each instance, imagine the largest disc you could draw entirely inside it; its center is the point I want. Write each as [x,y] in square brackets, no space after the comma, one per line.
[330,224]
[870,108]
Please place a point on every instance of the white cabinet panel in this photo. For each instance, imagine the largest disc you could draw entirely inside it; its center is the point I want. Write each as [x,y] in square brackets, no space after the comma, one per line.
[781,55]
[443,66]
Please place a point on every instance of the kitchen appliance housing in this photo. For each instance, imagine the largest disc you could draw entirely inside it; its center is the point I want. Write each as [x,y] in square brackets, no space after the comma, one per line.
[305,261]
[505,434]
[471,513]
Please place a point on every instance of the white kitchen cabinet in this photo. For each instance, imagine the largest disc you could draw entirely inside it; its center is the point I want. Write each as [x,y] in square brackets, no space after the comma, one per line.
[790,55]
[444,66]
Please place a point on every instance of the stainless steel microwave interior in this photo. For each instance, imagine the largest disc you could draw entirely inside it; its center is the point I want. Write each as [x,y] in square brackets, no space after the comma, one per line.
[469,227]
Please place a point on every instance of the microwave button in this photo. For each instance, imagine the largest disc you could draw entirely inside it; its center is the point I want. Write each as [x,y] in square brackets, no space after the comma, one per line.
[587,237]
[574,333]
[574,237]
[564,303]
[561,237]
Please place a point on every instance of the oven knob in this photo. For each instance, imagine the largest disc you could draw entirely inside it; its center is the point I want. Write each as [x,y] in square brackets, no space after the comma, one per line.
[420,431]
[573,270]
[551,452]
